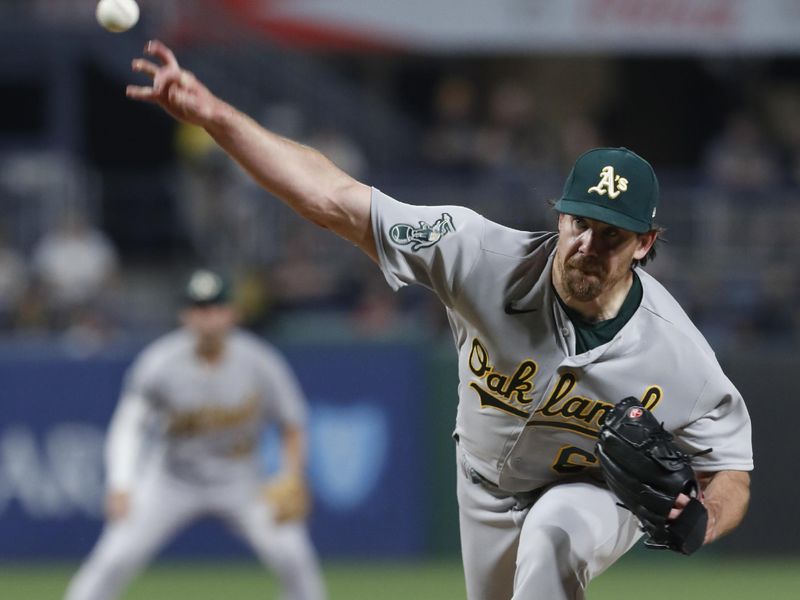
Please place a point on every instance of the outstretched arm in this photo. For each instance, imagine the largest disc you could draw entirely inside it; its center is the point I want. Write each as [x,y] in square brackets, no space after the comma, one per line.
[300,176]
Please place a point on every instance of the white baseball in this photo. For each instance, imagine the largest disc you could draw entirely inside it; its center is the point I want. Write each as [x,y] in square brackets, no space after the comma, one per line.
[117,15]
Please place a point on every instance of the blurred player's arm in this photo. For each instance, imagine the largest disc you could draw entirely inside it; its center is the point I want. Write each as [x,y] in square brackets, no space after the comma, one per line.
[123,448]
[294,450]
[300,176]
[288,492]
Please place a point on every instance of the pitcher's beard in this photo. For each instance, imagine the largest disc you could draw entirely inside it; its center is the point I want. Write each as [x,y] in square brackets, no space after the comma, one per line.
[581,285]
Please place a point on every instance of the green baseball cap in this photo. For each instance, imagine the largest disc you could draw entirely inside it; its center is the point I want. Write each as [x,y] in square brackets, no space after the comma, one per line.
[206,288]
[612,185]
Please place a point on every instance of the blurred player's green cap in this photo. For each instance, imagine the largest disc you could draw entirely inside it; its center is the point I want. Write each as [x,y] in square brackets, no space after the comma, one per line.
[205,288]
[612,185]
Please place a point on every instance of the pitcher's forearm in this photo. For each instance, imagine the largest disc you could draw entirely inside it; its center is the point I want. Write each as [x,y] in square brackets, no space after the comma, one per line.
[297,174]
[300,176]
[726,497]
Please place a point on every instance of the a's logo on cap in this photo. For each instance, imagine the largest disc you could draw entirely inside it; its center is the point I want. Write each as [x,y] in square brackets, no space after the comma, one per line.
[609,183]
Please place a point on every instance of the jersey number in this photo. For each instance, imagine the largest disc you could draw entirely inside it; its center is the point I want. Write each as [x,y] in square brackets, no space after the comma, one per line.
[572,459]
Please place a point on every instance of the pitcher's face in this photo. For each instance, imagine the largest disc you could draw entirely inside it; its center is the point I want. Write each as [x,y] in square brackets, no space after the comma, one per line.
[592,257]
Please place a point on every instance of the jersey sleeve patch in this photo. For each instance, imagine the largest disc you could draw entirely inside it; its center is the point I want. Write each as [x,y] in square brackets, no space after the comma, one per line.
[422,235]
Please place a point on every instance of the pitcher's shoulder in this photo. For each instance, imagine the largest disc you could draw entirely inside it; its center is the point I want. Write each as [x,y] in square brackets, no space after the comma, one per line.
[668,316]
[516,243]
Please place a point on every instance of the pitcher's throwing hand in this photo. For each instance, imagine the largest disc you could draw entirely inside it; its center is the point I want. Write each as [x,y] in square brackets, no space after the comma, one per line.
[176,90]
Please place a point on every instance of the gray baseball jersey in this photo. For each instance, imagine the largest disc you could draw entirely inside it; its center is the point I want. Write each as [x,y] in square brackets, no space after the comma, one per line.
[210,419]
[529,407]
[207,423]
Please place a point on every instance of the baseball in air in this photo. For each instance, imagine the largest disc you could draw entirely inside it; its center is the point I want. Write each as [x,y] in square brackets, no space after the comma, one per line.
[117,15]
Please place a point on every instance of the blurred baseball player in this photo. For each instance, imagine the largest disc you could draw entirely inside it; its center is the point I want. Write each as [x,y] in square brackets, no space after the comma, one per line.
[184,443]
[552,330]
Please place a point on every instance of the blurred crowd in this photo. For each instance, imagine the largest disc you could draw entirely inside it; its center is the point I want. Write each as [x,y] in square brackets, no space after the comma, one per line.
[63,285]
[731,219]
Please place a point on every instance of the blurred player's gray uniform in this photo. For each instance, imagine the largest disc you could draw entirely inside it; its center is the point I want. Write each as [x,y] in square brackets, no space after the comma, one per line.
[185,440]
[530,405]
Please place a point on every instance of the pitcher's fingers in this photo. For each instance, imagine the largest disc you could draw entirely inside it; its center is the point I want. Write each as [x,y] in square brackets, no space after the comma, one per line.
[680,503]
[186,78]
[161,52]
[141,92]
[140,65]
[166,77]
[179,97]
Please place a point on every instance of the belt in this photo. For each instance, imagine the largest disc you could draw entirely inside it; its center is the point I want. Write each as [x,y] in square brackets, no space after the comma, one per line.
[523,499]
[476,477]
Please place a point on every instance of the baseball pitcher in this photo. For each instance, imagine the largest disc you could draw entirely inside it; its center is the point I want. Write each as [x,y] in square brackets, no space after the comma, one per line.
[553,332]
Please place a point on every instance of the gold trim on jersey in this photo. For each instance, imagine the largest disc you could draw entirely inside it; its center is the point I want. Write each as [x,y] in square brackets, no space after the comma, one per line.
[213,418]
[564,464]
[508,393]
[652,396]
[242,448]
[513,394]
[489,401]
[576,413]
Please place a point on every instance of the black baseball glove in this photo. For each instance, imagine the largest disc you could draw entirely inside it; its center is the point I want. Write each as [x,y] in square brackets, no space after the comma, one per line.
[646,470]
